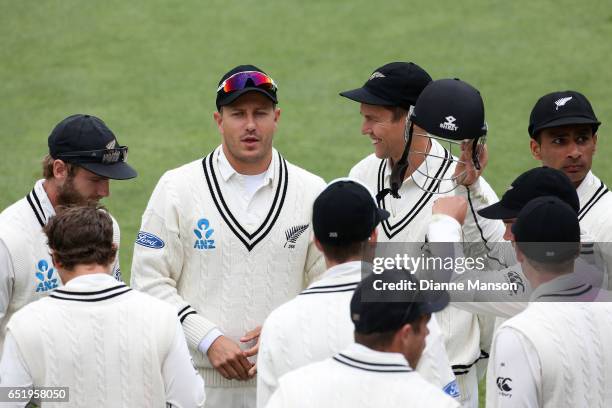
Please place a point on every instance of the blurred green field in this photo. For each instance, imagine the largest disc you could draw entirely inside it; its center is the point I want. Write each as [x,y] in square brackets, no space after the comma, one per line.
[150,69]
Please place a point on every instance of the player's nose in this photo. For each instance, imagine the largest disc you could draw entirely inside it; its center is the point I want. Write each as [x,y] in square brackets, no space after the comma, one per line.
[574,152]
[103,188]
[365,128]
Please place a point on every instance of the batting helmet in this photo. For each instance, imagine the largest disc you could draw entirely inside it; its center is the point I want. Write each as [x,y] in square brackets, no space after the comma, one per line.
[450,111]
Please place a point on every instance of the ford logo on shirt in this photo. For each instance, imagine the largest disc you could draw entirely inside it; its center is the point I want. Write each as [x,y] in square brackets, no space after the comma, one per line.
[149,240]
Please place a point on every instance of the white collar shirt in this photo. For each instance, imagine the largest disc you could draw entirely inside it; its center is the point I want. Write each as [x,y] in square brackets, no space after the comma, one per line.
[249,197]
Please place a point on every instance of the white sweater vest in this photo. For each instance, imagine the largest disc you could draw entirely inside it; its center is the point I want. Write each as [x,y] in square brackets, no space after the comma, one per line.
[35,276]
[572,343]
[358,378]
[316,325]
[215,271]
[107,346]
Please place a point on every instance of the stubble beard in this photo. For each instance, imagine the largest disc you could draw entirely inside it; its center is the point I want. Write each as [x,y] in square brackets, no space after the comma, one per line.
[68,196]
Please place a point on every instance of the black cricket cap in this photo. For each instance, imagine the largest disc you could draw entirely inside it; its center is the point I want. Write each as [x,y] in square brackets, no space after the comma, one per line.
[86,141]
[537,182]
[547,230]
[345,213]
[227,98]
[379,311]
[561,108]
[393,84]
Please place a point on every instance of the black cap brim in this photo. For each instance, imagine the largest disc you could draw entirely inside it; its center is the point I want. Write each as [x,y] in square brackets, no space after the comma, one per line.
[497,211]
[574,120]
[435,302]
[237,94]
[362,95]
[116,171]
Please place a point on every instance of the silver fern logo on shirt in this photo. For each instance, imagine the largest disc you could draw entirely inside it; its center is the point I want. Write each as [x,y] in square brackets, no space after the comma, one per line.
[293,233]
[203,234]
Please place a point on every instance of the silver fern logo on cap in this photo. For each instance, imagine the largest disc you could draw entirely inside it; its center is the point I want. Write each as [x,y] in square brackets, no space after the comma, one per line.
[376,75]
[293,233]
[562,101]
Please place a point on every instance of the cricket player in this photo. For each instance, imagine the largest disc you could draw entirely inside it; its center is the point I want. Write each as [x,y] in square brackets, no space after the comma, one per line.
[377,370]
[111,346]
[84,155]
[555,353]
[534,183]
[563,130]
[227,238]
[403,112]
[316,324]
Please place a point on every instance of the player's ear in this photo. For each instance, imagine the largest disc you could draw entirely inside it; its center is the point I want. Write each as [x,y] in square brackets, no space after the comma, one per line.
[406,334]
[218,116]
[60,170]
[318,244]
[55,261]
[535,149]
[594,143]
[277,113]
[373,236]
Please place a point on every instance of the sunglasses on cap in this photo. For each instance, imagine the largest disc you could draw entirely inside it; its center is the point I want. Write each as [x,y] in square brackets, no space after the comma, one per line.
[239,81]
[104,156]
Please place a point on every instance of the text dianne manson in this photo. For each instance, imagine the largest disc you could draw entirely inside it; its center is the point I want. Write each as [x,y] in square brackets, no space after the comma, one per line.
[450,286]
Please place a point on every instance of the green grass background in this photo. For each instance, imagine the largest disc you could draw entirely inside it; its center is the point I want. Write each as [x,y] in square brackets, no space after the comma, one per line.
[150,69]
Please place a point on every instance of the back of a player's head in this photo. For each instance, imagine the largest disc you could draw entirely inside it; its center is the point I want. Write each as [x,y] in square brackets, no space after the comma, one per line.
[537,182]
[547,232]
[81,235]
[344,216]
[384,303]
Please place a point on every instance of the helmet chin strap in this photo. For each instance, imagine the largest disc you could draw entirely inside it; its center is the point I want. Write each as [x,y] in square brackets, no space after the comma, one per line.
[398,172]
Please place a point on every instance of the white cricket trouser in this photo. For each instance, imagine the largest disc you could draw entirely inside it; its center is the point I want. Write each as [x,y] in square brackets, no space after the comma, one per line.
[468,385]
[231,397]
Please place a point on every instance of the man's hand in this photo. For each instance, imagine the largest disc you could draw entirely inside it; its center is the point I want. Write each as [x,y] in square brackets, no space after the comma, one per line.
[453,206]
[250,336]
[227,358]
[465,172]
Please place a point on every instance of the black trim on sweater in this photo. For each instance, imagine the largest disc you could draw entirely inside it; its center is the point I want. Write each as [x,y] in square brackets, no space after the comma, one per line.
[97,292]
[369,366]
[87,298]
[348,287]
[249,240]
[599,193]
[392,230]
[38,217]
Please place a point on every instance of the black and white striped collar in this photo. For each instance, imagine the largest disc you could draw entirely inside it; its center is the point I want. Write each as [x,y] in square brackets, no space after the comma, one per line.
[281,182]
[590,191]
[441,166]
[363,358]
[570,288]
[340,278]
[40,204]
[91,288]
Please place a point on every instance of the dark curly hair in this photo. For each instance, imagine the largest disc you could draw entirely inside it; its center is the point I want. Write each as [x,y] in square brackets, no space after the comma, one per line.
[81,235]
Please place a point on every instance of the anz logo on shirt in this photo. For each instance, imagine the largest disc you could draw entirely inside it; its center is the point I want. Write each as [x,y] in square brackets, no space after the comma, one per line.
[44,275]
[203,232]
